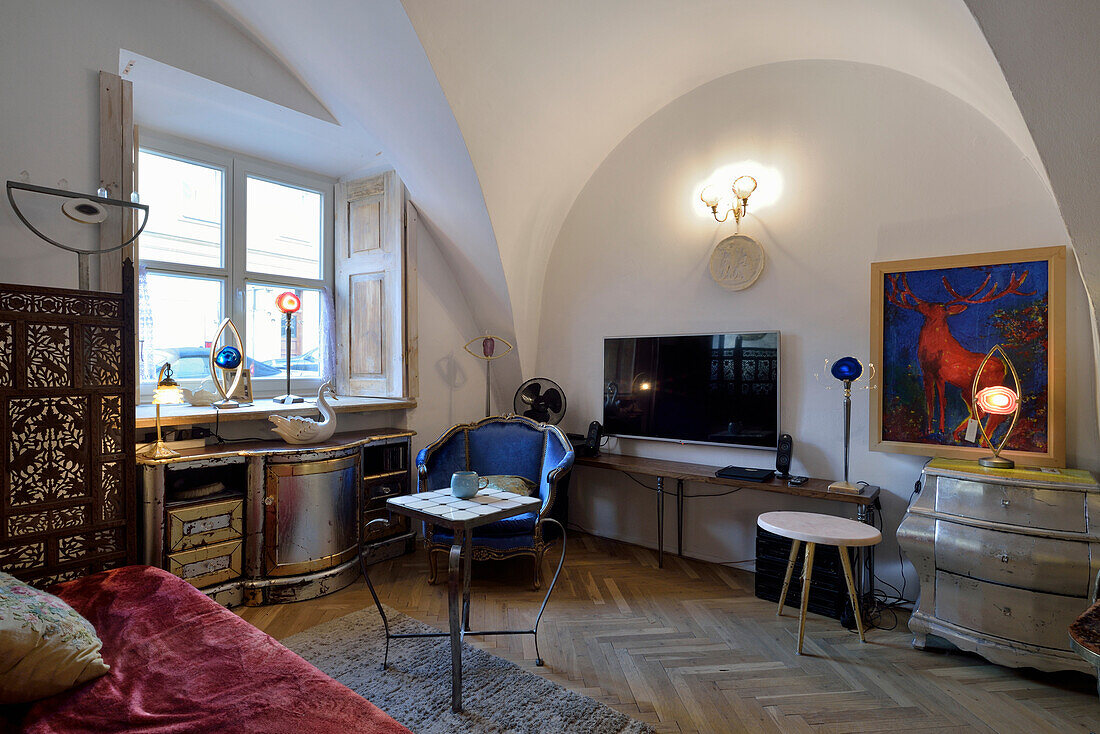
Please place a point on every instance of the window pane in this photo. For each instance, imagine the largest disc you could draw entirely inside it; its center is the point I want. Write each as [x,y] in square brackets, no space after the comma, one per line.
[185,211]
[283,230]
[267,332]
[179,316]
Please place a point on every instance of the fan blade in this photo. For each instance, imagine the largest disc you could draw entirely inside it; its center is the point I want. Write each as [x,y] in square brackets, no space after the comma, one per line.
[530,393]
[538,413]
[553,400]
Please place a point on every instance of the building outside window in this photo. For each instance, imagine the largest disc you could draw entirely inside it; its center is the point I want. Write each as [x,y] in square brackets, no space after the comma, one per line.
[226,235]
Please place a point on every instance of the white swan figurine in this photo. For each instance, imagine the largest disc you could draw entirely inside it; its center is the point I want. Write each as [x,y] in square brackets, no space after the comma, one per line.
[306,430]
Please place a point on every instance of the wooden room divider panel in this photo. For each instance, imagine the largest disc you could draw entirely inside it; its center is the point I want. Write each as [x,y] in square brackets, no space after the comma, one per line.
[67,391]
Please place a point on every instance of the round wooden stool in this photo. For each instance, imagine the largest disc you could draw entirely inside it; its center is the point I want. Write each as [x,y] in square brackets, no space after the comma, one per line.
[812,528]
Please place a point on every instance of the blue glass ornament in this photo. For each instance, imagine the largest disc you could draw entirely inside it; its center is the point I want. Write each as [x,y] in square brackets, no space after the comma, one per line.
[847,369]
[228,358]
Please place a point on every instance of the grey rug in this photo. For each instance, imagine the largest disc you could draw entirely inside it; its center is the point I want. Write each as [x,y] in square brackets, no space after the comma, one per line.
[498,696]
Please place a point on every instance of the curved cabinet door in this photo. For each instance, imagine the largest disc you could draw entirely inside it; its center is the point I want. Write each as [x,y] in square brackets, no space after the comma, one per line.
[310,515]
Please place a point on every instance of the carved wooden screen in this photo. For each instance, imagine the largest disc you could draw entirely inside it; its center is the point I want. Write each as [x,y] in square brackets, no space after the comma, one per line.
[67,372]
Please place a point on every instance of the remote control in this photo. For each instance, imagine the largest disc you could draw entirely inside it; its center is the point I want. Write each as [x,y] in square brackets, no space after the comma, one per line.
[797,481]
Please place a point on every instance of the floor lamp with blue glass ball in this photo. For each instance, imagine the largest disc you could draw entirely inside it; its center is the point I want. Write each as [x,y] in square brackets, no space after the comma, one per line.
[847,370]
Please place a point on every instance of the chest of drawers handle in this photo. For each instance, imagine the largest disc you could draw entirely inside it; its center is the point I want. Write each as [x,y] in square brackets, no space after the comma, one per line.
[1005,502]
[1004,558]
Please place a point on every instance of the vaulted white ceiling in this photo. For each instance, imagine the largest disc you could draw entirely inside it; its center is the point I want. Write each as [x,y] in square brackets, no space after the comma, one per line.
[496,112]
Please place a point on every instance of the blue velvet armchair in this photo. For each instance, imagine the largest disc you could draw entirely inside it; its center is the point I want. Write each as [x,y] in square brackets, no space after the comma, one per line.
[501,445]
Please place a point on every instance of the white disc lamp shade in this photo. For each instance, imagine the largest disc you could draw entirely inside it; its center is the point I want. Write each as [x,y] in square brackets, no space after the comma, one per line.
[84,211]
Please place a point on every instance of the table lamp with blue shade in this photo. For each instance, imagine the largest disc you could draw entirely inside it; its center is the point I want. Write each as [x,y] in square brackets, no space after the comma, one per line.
[229,360]
[847,370]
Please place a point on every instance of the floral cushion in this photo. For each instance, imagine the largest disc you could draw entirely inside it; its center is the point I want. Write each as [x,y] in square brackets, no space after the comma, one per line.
[45,646]
[511,483]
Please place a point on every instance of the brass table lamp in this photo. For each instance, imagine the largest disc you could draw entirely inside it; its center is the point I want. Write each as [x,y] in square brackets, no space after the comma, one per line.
[168,392]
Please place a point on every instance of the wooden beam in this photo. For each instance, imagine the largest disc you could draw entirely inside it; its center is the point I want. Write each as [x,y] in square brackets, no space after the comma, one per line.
[117,152]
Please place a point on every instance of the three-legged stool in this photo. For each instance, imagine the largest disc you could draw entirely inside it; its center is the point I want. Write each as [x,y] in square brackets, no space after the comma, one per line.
[812,529]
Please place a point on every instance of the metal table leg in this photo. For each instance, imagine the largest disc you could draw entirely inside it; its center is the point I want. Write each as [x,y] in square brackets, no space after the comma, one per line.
[382,612]
[467,570]
[454,594]
[660,522]
[550,590]
[680,517]
[458,607]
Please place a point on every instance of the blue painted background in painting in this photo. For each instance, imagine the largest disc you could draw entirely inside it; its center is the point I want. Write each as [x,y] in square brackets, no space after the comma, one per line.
[1019,322]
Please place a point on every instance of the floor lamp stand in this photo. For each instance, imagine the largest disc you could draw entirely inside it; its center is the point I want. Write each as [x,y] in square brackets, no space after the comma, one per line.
[846,487]
[288,398]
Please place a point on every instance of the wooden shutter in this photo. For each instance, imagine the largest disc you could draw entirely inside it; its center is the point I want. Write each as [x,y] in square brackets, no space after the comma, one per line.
[371,265]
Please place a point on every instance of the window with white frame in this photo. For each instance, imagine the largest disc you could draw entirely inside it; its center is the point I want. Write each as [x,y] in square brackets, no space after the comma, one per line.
[226,235]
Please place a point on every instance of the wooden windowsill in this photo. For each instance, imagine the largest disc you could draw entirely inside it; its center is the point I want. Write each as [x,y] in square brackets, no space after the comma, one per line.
[182,415]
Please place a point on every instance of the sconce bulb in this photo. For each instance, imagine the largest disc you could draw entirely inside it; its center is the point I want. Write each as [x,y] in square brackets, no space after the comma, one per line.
[135,198]
[710,196]
[744,186]
[101,192]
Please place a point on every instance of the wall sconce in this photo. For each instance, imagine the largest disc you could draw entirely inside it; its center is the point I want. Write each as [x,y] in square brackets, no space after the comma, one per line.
[742,189]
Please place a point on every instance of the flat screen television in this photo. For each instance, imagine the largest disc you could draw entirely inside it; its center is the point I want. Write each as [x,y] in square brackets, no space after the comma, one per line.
[710,388]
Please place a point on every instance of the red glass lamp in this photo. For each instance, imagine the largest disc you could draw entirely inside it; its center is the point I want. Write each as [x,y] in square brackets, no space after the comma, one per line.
[998,401]
[288,302]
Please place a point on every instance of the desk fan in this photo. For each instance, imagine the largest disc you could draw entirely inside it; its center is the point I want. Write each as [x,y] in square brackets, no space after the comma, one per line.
[540,399]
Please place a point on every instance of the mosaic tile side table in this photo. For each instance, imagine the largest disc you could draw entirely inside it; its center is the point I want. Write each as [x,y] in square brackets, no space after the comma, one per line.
[441,508]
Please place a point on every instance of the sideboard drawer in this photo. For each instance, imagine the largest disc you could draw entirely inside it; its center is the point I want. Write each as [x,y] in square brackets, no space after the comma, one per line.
[208,565]
[375,488]
[192,526]
[1026,561]
[1004,611]
[1053,509]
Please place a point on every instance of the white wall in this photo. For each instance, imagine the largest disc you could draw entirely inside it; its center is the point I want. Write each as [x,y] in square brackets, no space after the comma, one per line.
[876,166]
[51,52]
[1057,99]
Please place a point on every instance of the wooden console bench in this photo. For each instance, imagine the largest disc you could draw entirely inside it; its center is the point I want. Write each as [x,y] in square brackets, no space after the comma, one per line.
[262,522]
[816,488]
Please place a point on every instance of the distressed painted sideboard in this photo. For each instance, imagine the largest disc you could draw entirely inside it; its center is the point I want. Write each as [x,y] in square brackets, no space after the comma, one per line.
[267,522]
[1007,559]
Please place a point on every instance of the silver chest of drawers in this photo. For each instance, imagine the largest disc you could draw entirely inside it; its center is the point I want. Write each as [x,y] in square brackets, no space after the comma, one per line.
[1006,560]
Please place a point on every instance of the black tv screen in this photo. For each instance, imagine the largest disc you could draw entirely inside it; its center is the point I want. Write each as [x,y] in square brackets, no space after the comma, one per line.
[714,388]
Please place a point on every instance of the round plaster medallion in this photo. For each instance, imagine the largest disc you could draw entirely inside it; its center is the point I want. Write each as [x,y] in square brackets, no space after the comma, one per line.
[737,262]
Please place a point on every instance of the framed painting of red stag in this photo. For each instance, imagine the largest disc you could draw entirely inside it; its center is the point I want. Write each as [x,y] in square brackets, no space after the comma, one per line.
[933,321]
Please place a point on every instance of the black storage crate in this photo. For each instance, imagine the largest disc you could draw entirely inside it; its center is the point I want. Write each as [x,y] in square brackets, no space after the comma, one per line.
[828,591]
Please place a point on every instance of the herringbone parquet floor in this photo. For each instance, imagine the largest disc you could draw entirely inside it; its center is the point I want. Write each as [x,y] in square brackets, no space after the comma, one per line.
[688,648]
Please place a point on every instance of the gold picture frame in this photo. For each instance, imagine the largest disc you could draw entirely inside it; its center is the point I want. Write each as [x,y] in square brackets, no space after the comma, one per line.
[920,306]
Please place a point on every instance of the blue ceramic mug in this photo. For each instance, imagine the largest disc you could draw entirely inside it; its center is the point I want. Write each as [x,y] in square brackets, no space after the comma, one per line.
[465,484]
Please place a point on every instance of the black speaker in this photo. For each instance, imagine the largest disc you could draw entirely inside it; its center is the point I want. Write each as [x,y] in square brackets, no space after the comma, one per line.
[783,455]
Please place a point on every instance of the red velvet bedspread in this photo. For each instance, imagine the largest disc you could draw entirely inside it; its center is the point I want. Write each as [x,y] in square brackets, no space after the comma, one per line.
[180,662]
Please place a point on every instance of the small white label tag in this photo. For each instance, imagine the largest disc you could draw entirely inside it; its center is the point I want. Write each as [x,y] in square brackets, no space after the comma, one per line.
[971,430]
